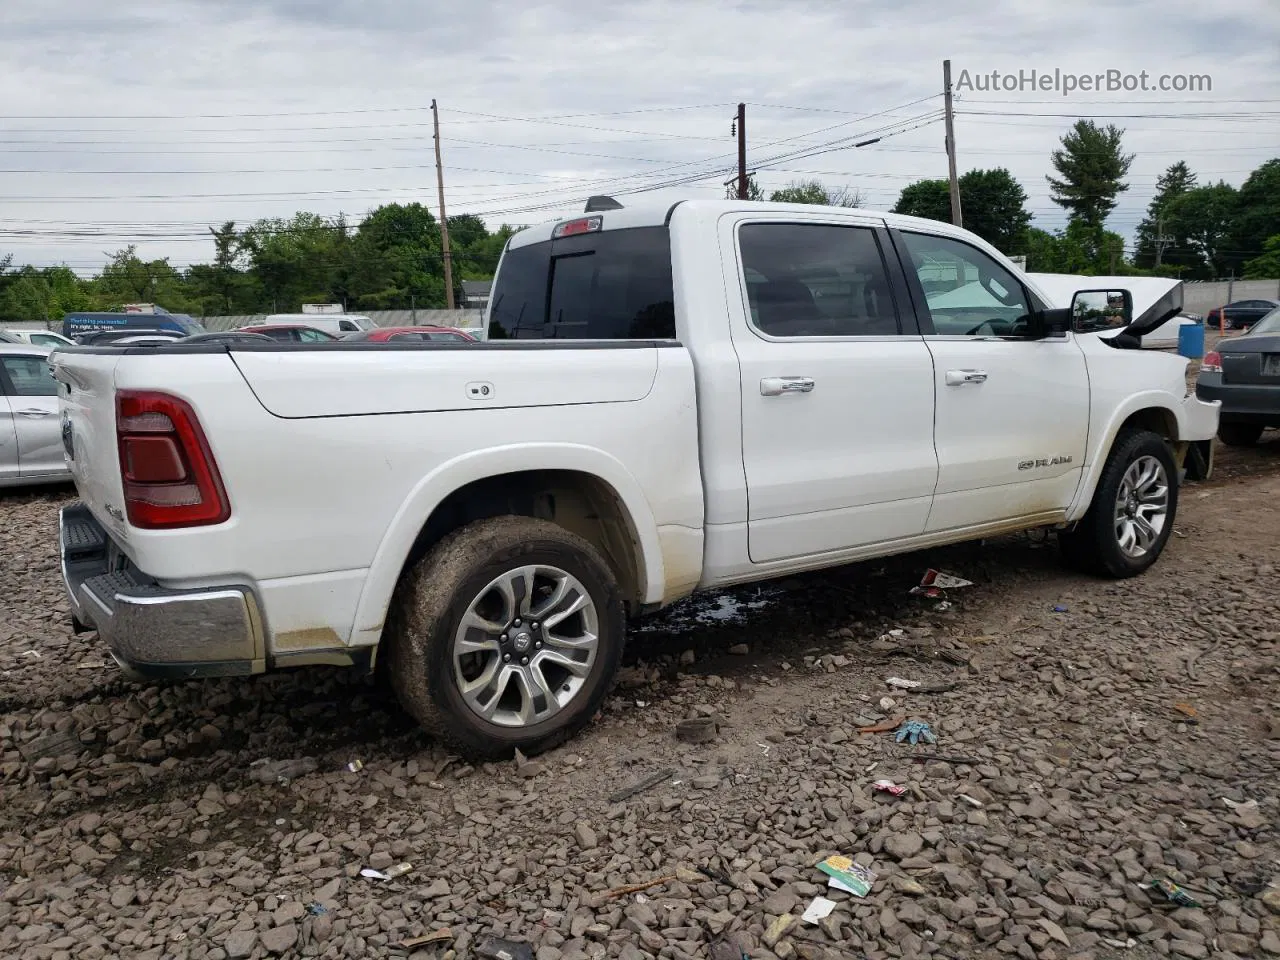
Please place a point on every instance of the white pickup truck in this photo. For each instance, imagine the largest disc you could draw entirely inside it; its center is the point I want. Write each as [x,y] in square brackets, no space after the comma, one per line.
[671,399]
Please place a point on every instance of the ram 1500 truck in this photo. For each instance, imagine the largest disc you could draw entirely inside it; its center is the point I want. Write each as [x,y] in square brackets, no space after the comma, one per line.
[671,399]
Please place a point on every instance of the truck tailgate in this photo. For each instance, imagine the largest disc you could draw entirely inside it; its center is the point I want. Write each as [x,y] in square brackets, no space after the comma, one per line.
[87,394]
[337,382]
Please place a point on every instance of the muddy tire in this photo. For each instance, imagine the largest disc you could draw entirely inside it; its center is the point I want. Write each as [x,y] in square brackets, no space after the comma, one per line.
[1132,513]
[1237,434]
[508,634]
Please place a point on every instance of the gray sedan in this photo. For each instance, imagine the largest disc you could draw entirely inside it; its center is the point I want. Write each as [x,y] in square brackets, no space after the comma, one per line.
[30,430]
[1244,373]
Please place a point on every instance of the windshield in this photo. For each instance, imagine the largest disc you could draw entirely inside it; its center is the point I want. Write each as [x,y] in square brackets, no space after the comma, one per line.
[1268,324]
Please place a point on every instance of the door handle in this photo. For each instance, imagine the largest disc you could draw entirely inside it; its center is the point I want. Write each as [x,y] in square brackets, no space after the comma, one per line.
[777,386]
[35,413]
[958,378]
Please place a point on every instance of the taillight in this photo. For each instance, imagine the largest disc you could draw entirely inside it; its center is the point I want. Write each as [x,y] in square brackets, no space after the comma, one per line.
[170,478]
[1212,362]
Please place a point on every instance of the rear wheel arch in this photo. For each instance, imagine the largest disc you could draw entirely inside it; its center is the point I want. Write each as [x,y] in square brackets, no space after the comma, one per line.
[588,492]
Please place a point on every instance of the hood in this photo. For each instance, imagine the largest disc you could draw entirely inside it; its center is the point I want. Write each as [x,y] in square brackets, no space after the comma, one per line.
[1155,299]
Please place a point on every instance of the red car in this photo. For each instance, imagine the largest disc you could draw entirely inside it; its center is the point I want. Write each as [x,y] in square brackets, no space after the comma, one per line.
[402,334]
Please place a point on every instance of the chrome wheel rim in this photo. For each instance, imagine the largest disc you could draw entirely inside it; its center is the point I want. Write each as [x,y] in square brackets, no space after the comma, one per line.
[525,646]
[1142,507]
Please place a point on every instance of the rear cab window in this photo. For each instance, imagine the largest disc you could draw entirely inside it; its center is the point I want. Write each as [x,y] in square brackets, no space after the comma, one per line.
[607,285]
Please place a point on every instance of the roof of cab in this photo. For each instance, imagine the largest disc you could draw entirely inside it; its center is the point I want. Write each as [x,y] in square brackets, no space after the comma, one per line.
[651,213]
[24,350]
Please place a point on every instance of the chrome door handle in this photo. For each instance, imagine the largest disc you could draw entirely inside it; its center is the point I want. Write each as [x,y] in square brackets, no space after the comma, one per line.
[35,413]
[958,378]
[777,386]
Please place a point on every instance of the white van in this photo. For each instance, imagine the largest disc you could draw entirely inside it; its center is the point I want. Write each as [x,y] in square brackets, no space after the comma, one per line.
[338,324]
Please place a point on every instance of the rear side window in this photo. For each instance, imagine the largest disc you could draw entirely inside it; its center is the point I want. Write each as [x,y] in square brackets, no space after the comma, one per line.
[29,376]
[612,285]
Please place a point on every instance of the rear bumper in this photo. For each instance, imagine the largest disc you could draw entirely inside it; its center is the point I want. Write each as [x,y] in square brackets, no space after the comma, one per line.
[150,630]
[1256,403]
[1199,419]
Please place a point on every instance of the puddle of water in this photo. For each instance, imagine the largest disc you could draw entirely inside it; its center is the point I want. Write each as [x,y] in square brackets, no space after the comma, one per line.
[712,609]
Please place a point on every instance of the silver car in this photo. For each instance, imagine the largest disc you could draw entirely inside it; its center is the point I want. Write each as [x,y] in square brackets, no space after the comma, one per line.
[31,448]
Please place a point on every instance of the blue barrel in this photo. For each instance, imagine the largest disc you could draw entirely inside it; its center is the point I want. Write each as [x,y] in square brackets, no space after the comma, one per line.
[1191,341]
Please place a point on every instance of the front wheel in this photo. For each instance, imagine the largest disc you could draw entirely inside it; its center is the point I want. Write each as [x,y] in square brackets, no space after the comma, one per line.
[1133,509]
[507,635]
[1237,434]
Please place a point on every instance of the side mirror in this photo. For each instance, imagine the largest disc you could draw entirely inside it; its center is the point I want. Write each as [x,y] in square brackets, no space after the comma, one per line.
[1096,310]
[1043,324]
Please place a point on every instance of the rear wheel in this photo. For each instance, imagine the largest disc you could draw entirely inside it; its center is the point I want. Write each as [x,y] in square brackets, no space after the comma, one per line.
[1236,434]
[1133,509]
[507,635]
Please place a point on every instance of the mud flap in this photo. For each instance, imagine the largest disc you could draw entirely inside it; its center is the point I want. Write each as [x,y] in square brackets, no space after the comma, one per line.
[1199,460]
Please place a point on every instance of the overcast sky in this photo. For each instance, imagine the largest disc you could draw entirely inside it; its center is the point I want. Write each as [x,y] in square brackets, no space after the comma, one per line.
[127,121]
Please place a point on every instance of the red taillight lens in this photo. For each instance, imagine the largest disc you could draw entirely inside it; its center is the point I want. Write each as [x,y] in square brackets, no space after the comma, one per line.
[1212,362]
[170,477]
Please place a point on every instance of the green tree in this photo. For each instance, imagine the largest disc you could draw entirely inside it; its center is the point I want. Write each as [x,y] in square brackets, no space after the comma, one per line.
[397,260]
[1080,248]
[925,198]
[1266,266]
[42,294]
[1173,183]
[1091,167]
[814,191]
[1206,217]
[297,260]
[1258,216]
[994,206]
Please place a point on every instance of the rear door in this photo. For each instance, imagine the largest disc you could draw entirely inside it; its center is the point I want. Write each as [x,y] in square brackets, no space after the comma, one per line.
[836,386]
[33,403]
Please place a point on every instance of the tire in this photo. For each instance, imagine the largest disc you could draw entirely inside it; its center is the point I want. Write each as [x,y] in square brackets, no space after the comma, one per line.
[1237,434]
[424,627]
[1095,544]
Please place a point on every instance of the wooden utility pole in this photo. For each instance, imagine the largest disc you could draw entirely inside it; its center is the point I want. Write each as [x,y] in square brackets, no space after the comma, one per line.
[742,151]
[444,220]
[956,218]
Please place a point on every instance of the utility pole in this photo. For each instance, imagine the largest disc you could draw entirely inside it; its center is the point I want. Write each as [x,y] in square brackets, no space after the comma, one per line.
[444,221]
[742,151]
[956,218]
[1161,240]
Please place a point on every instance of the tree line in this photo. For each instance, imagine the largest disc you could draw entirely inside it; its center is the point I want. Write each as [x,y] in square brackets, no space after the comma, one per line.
[392,259]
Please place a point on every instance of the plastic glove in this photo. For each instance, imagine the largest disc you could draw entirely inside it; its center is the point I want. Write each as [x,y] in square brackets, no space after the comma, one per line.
[914,731]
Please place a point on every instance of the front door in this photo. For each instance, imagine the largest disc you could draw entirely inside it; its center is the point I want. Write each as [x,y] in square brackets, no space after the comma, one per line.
[33,406]
[8,441]
[1013,414]
[836,386]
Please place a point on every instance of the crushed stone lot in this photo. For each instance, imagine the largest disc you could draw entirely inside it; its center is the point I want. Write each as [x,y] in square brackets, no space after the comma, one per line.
[1092,736]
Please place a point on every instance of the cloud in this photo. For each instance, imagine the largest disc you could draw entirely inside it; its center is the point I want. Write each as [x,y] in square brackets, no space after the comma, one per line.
[143,121]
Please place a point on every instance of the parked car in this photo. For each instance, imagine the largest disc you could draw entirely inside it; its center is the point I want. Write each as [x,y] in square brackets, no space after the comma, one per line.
[128,335]
[30,436]
[226,336]
[41,338]
[334,323]
[291,332]
[412,334]
[1243,373]
[673,398]
[1241,314]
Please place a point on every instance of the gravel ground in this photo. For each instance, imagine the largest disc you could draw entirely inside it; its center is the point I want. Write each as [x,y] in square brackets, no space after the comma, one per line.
[137,820]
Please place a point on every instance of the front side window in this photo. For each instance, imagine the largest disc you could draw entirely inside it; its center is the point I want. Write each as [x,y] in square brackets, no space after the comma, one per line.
[610,285]
[967,293]
[313,336]
[30,376]
[347,326]
[816,280]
